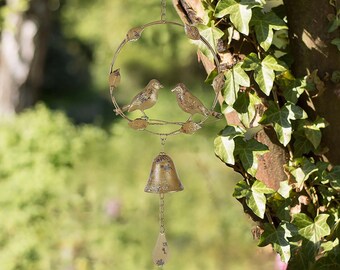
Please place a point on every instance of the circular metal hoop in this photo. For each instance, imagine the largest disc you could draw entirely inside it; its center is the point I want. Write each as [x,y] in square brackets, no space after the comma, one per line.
[187,127]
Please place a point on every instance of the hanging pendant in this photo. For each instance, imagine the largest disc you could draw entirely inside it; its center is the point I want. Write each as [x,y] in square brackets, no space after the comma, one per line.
[160,254]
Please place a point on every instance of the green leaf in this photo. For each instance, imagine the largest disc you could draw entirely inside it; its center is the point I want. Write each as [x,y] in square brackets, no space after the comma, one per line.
[334,177]
[251,62]
[280,206]
[312,230]
[284,189]
[292,88]
[330,260]
[281,119]
[264,74]
[233,79]
[336,42]
[301,144]
[212,34]
[313,132]
[241,190]
[248,151]
[225,145]
[240,75]
[278,238]
[256,200]
[264,24]
[260,187]
[257,203]
[240,12]
[302,170]
[245,106]
[294,112]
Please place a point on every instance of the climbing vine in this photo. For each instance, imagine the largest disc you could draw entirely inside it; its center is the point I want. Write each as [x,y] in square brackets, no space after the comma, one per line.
[299,216]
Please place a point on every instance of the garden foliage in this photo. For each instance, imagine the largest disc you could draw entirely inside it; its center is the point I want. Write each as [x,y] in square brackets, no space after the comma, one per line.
[300,219]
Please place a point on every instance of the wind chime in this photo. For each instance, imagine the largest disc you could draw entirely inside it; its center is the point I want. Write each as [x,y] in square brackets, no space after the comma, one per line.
[163,176]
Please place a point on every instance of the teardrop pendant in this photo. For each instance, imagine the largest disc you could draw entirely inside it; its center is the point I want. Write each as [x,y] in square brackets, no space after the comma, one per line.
[160,254]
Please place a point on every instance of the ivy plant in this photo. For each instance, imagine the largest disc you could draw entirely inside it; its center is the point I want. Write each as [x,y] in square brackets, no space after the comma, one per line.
[300,217]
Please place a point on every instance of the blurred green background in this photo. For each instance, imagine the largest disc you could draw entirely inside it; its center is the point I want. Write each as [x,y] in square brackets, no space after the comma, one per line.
[72,174]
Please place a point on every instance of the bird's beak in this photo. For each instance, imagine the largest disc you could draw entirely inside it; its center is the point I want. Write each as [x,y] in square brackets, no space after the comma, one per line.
[173,90]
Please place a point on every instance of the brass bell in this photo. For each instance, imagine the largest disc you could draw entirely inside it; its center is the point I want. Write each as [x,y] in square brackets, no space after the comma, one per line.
[163,176]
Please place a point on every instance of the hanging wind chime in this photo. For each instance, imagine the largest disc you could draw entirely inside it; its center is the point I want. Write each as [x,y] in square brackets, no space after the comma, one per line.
[163,176]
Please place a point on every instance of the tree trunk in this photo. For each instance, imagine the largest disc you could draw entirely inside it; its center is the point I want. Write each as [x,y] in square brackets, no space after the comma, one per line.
[23,47]
[312,49]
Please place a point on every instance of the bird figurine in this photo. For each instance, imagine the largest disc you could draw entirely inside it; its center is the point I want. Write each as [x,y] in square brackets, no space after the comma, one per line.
[145,99]
[191,104]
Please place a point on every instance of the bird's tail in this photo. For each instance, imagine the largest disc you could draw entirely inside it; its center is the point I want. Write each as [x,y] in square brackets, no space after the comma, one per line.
[124,109]
[216,114]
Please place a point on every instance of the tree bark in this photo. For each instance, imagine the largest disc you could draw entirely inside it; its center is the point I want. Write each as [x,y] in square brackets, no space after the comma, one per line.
[23,48]
[312,49]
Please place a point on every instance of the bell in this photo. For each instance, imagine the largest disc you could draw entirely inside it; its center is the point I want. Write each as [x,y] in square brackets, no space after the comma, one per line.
[163,176]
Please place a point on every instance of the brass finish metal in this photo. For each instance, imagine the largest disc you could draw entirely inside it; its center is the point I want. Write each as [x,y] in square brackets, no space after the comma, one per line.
[190,103]
[138,124]
[163,176]
[144,99]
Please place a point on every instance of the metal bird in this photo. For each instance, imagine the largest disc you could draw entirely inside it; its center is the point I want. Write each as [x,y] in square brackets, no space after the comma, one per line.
[144,99]
[191,104]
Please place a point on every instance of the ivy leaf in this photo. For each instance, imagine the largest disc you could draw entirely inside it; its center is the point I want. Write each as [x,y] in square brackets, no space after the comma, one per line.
[330,261]
[281,119]
[225,145]
[211,34]
[284,189]
[239,10]
[245,106]
[247,151]
[313,132]
[264,74]
[291,88]
[241,190]
[278,238]
[312,230]
[334,177]
[264,24]
[302,170]
[256,200]
[301,144]
[260,187]
[336,42]
[281,207]
[257,203]
[233,79]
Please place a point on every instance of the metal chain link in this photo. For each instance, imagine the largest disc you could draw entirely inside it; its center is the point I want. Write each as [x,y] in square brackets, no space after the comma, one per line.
[161,213]
[163,10]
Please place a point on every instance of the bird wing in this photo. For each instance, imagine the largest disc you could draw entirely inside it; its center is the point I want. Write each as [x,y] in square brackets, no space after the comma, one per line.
[191,101]
[138,100]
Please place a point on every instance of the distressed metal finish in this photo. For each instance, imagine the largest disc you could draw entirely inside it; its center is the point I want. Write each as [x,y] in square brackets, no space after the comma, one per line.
[190,127]
[114,79]
[139,124]
[146,98]
[163,176]
[192,32]
[190,103]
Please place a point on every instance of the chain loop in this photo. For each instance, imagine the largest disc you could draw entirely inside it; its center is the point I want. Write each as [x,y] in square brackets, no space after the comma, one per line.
[163,10]
[161,213]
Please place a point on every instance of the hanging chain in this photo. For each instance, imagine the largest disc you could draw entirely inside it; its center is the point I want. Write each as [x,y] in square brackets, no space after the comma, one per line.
[161,213]
[163,10]
[163,141]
